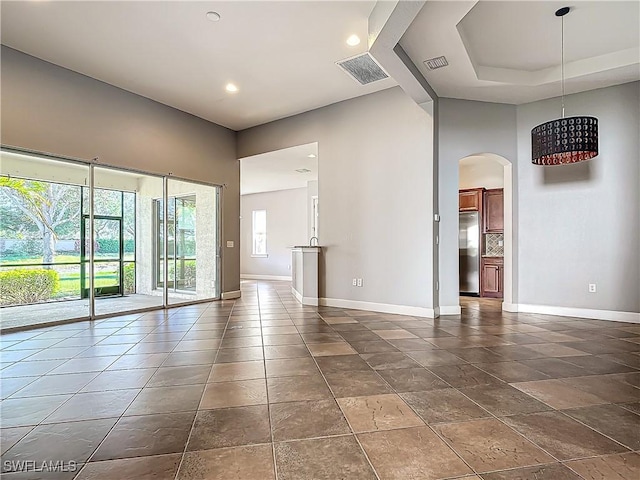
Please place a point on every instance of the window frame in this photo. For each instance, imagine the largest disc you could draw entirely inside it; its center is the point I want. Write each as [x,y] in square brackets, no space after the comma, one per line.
[254,239]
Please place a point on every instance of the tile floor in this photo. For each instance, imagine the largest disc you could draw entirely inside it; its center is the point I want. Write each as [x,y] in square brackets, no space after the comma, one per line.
[264,388]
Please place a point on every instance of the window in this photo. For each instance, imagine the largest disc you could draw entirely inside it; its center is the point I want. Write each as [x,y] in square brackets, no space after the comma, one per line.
[259,233]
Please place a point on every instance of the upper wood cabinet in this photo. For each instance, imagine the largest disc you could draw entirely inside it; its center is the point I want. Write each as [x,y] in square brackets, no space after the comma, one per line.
[493,218]
[470,200]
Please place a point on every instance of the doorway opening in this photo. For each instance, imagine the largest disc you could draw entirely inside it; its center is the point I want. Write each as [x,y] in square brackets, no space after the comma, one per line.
[485,227]
[279,209]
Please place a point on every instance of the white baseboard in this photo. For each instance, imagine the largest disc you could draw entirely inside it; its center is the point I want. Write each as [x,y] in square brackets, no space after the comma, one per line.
[450,310]
[231,295]
[314,302]
[379,307]
[265,277]
[509,307]
[296,294]
[612,315]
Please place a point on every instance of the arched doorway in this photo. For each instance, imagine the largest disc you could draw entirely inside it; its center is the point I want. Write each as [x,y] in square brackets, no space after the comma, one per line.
[491,171]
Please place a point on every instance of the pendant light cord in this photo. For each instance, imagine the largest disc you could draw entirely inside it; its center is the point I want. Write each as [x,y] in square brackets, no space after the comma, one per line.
[562,67]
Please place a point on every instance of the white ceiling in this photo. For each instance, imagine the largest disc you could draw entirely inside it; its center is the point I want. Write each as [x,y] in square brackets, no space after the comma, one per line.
[281,55]
[510,52]
[272,171]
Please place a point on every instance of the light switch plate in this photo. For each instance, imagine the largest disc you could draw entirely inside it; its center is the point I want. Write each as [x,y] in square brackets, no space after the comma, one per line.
[230,243]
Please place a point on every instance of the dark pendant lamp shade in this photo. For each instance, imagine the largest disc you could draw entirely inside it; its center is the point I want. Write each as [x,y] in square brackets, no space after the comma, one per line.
[564,141]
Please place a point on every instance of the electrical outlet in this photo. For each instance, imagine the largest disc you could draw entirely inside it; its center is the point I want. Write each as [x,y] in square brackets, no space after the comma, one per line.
[359,282]
[355,282]
[592,288]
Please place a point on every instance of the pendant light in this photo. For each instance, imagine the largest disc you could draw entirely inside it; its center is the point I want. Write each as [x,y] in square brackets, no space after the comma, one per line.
[565,140]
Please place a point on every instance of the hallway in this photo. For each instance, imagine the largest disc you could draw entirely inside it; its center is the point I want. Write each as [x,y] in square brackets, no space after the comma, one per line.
[264,386]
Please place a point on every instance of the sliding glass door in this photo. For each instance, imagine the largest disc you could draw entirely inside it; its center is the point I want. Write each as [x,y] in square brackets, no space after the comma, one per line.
[90,240]
[193,266]
[181,231]
[40,238]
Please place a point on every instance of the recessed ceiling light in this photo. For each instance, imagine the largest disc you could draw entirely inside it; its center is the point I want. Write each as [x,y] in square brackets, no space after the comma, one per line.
[353,40]
[213,16]
[231,88]
[312,155]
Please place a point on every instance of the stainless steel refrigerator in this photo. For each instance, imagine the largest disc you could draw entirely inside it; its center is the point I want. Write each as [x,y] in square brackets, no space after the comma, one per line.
[469,253]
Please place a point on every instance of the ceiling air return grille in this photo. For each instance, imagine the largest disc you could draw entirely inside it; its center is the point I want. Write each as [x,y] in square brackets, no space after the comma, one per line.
[363,68]
[435,63]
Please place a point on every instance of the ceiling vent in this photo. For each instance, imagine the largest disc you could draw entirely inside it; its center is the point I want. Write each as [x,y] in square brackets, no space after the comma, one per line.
[363,68]
[435,63]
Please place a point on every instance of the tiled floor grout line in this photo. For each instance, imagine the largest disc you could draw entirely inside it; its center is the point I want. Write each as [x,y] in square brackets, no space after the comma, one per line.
[409,405]
[418,415]
[266,387]
[530,440]
[195,416]
[441,437]
[353,433]
[71,396]
[566,463]
[124,410]
[468,398]
[495,417]
[553,409]
[128,405]
[563,412]
[513,469]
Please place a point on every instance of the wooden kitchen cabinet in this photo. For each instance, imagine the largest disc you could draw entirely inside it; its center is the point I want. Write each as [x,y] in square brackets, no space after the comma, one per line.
[493,217]
[492,277]
[470,200]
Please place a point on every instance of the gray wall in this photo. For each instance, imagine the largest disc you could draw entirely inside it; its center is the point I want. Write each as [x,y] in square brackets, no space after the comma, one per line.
[467,128]
[51,109]
[579,224]
[286,226]
[375,176]
[573,225]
